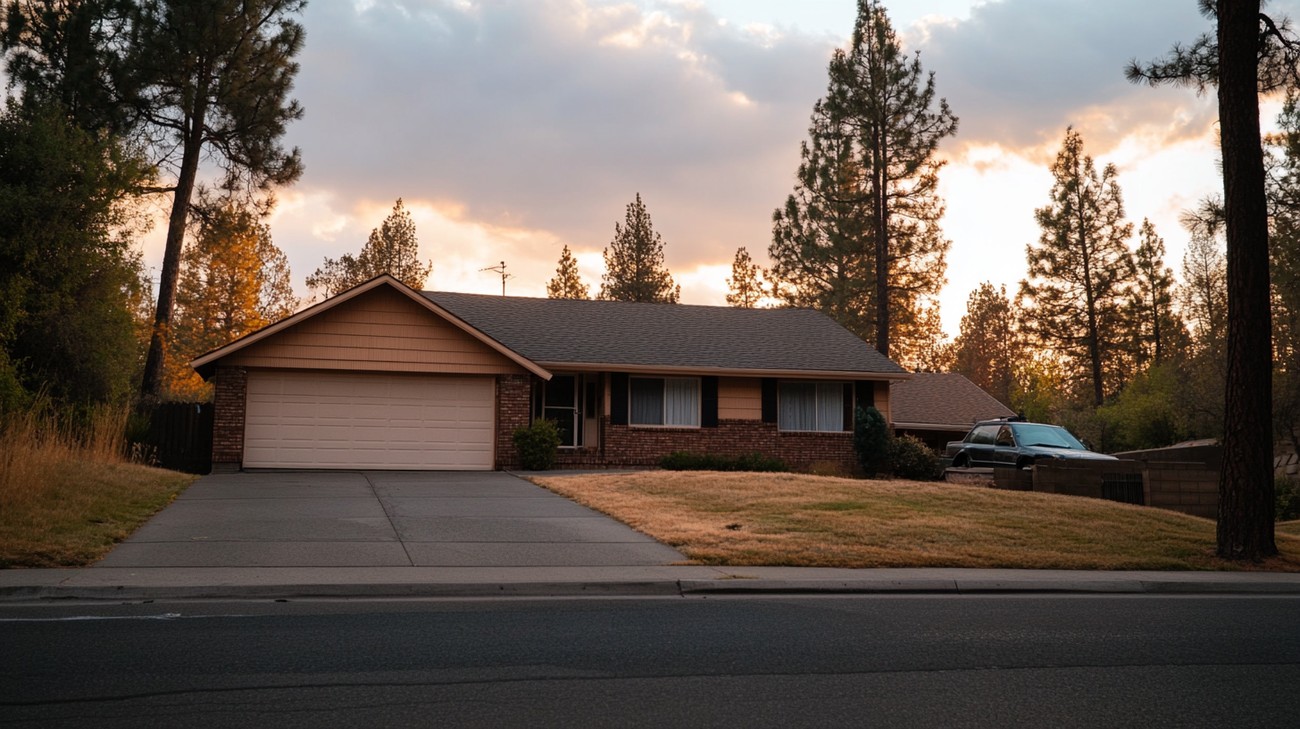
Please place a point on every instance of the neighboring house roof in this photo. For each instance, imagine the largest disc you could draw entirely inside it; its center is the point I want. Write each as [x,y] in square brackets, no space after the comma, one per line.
[668,337]
[942,401]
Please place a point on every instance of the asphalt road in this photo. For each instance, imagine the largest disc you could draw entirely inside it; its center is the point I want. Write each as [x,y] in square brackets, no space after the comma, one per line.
[942,661]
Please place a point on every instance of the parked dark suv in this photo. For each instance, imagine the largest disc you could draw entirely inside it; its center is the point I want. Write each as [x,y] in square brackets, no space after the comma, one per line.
[1014,442]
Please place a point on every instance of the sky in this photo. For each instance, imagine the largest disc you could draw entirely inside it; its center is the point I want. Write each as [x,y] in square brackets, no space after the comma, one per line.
[511,128]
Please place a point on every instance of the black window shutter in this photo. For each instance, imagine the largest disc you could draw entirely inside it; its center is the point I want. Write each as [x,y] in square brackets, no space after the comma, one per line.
[769,399]
[848,406]
[539,392]
[865,393]
[709,402]
[618,398]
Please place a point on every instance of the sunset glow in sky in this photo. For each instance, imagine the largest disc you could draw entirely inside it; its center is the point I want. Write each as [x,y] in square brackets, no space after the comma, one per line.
[514,127]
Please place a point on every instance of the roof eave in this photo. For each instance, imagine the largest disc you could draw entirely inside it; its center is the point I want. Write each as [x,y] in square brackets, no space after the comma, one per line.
[722,371]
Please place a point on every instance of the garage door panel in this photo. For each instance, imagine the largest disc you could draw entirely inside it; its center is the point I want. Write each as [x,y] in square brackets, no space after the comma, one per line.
[348,420]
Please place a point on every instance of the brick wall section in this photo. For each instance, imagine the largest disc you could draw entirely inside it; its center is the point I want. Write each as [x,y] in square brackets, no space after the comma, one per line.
[514,398]
[1192,488]
[229,398]
[627,446]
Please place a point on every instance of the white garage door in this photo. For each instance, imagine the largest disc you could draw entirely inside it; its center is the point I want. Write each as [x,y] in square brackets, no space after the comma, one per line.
[344,420]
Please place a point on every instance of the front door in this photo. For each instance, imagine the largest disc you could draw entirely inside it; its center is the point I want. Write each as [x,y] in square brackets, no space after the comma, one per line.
[562,404]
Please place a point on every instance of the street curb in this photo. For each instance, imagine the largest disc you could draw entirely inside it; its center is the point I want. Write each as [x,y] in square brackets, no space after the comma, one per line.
[28,594]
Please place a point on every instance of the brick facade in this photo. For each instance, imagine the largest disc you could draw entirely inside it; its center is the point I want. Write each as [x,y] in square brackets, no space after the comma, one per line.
[230,394]
[631,446]
[514,401]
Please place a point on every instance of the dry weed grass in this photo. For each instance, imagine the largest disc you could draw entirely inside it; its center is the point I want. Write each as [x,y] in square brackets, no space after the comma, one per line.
[67,495]
[749,519]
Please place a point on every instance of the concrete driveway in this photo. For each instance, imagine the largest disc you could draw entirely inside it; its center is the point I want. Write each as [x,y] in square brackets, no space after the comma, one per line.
[381,519]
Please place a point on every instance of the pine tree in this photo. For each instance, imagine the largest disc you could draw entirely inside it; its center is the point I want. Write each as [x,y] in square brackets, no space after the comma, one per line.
[1249,52]
[1203,294]
[1157,331]
[392,248]
[866,205]
[988,349]
[745,287]
[634,261]
[567,284]
[1081,271]
[818,249]
[234,281]
[213,80]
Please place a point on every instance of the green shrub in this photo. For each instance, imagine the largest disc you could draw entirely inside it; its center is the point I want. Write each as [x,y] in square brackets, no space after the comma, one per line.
[911,459]
[1287,492]
[686,461]
[538,445]
[871,440]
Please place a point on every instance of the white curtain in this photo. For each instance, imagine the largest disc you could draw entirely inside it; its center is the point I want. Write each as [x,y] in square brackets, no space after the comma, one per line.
[797,406]
[830,406]
[682,401]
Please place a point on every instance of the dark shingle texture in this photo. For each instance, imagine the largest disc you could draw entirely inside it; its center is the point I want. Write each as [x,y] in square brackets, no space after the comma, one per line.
[936,398]
[558,331]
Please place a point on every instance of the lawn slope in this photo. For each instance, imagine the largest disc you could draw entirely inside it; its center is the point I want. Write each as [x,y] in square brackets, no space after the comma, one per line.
[749,519]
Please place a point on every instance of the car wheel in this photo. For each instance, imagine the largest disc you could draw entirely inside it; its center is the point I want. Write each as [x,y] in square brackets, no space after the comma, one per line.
[1024,463]
[961,460]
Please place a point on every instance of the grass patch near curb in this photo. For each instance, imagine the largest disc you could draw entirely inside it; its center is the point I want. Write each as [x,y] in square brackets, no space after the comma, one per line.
[68,493]
[797,520]
[78,510]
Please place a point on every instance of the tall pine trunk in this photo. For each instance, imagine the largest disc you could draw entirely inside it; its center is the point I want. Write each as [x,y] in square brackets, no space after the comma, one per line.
[151,384]
[1245,526]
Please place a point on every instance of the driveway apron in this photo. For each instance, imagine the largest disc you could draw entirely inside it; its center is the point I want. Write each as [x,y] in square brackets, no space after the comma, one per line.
[381,519]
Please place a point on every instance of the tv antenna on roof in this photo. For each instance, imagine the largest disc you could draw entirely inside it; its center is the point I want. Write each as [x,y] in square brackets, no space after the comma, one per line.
[501,270]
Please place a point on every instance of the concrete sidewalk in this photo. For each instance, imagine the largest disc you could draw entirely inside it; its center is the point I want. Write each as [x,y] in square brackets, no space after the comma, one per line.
[290,583]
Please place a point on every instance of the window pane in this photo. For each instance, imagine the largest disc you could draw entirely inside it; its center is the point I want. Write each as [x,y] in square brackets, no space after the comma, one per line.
[682,401]
[830,407]
[797,406]
[647,401]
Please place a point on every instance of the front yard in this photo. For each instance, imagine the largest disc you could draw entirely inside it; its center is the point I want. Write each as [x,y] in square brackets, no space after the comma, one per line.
[750,519]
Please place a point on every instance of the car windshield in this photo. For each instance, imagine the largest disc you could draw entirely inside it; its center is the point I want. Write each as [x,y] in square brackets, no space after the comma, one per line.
[1046,435]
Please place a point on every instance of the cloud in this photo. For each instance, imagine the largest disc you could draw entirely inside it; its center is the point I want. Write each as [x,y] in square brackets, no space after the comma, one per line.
[1018,72]
[551,115]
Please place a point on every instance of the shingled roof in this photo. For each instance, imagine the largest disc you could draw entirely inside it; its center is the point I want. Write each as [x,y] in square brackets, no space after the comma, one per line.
[560,332]
[942,401]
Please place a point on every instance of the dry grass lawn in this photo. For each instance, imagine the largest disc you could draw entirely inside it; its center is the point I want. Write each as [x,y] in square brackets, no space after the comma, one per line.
[65,500]
[750,519]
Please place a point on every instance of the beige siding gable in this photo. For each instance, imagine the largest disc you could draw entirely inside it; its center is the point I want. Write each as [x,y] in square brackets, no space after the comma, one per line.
[380,330]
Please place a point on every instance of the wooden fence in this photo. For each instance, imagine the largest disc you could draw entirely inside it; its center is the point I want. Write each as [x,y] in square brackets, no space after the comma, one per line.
[179,436]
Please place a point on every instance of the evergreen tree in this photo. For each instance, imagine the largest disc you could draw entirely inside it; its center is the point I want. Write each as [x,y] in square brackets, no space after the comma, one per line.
[1248,52]
[567,284]
[634,261]
[745,287]
[213,83]
[865,205]
[1080,272]
[189,80]
[818,248]
[1203,294]
[234,281]
[392,248]
[1157,330]
[988,349]
[68,274]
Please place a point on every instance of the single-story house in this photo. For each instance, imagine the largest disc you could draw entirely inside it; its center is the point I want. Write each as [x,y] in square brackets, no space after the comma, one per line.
[938,407]
[386,377]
